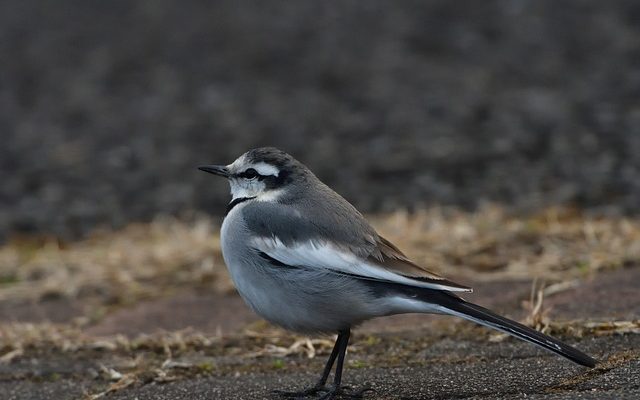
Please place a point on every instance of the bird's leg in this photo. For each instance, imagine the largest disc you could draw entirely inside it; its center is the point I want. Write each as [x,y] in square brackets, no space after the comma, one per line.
[339,352]
[342,352]
[337,378]
[319,386]
[332,359]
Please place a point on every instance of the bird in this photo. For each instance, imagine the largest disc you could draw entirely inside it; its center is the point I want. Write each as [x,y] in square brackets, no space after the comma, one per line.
[305,259]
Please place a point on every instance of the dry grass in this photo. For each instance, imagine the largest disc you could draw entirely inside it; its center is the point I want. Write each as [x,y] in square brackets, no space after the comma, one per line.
[557,244]
[16,338]
[147,260]
[142,260]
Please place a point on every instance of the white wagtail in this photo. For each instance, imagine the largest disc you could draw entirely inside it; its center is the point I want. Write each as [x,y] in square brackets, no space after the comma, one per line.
[305,259]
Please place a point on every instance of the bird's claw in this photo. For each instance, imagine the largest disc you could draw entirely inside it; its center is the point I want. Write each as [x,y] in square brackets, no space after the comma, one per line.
[331,392]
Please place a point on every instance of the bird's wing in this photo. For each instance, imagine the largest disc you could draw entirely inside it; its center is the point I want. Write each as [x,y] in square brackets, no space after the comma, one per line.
[384,263]
[386,255]
[332,234]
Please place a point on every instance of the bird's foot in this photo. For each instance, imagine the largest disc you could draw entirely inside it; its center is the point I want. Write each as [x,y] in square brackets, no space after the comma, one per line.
[301,394]
[328,392]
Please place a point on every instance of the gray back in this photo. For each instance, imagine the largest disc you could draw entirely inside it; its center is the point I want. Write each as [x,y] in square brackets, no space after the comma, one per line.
[313,211]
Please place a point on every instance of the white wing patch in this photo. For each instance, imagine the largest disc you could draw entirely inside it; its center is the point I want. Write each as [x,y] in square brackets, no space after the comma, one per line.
[316,254]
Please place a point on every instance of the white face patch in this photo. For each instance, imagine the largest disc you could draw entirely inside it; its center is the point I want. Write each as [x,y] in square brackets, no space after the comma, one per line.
[243,187]
[254,188]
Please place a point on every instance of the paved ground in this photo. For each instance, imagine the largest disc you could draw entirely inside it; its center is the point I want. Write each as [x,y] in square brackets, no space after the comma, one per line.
[402,357]
[449,369]
[482,371]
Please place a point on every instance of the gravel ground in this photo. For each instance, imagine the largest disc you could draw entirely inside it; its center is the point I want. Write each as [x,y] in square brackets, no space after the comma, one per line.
[107,107]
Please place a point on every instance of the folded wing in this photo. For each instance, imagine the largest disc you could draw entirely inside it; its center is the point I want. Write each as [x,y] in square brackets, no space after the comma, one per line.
[384,263]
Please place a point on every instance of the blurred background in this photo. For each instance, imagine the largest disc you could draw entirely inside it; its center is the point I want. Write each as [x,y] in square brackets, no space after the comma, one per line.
[106,108]
[496,142]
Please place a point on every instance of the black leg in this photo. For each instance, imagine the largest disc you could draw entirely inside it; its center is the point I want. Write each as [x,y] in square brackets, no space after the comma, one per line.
[343,341]
[331,360]
[337,379]
[342,352]
[339,352]
[319,386]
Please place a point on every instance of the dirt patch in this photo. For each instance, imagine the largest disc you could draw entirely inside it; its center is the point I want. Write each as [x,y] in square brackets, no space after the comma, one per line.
[613,295]
[209,313]
[46,310]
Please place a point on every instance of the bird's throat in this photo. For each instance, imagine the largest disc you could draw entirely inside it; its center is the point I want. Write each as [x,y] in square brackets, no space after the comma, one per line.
[235,202]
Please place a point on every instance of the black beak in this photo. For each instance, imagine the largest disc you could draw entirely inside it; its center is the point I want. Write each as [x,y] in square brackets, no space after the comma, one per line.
[220,170]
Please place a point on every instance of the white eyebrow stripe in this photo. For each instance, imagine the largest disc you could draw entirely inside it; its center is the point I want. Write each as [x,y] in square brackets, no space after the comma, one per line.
[265,169]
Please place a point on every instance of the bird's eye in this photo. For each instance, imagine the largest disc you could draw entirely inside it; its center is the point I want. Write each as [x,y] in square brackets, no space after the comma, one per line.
[250,173]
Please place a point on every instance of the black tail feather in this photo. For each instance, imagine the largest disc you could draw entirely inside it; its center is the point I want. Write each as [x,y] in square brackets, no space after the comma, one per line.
[488,318]
[450,303]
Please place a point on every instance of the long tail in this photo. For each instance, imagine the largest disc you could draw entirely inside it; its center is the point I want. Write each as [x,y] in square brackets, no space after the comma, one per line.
[441,301]
[456,306]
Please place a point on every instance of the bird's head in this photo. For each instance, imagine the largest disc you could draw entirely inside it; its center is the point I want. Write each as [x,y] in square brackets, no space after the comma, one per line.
[262,173]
